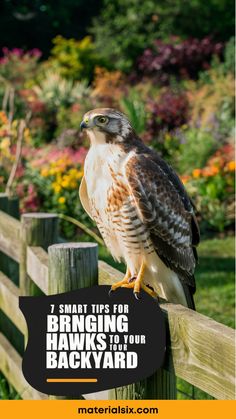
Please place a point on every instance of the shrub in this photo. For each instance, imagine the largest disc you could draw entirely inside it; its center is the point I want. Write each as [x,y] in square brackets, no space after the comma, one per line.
[55,91]
[133,106]
[195,147]
[74,59]
[18,66]
[167,112]
[212,189]
[229,56]
[212,102]
[179,58]
[50,181]
[125,28]
[8,139]
[122,31]
[107,86]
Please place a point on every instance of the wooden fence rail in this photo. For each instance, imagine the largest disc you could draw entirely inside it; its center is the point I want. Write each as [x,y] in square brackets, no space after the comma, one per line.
[200,350]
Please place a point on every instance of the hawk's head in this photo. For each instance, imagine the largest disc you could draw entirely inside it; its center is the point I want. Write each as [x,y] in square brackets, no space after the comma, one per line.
[106,125]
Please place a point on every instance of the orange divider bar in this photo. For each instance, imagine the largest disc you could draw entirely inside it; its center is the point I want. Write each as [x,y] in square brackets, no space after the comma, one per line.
[72,380]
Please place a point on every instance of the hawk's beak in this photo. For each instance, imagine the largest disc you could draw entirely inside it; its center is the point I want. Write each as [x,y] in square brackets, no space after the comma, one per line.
[83,125]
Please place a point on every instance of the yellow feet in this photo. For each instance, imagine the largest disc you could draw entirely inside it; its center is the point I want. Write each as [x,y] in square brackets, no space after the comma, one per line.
[123,282]
[135,283]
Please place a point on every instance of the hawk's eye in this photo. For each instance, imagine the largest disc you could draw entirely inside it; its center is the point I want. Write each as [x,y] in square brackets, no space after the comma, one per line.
[102,119]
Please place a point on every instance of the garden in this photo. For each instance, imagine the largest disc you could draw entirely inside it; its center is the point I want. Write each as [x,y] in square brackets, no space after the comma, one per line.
[172,75]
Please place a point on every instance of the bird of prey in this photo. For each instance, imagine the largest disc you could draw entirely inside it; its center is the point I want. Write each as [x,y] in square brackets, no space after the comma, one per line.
[141,208]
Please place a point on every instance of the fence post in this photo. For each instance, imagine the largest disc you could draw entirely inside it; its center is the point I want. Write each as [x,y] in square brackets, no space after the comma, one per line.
[3,202]
[72,266]
[37,229]
[10,205]
[159,386]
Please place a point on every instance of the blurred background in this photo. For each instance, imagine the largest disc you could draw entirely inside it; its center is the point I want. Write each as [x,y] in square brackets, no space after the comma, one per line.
[169,66]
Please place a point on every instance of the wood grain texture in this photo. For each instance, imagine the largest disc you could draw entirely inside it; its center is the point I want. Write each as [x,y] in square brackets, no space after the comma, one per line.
[9,302]
[202,351]
[10,242]
[72,266]
[37,229]
[37,266]
[10,365]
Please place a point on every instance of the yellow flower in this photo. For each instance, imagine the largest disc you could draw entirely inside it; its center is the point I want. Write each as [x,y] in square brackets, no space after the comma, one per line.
[65,183]
[79,174]
[52,172]
[196,173]
[73,184]
[56,187]
[5,143]
[44,172]
[62,200]
[231,166]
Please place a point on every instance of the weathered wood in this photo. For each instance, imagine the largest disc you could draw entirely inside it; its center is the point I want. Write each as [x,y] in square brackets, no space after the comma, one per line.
[157,387]
[202,351]
[37,267]
[10,267]
[10,365]
[107,274]
[72,266]
[9,205]
[37,229]
[10,236]
[9,302]
[162,384]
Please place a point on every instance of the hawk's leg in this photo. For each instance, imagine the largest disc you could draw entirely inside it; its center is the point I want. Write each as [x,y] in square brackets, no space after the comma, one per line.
[123,282]
[137,284]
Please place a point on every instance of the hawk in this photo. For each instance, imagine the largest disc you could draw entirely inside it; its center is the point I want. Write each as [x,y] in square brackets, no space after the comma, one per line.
[141,208]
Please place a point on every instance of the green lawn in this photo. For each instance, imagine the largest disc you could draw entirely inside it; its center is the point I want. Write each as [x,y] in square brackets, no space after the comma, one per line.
[215,280]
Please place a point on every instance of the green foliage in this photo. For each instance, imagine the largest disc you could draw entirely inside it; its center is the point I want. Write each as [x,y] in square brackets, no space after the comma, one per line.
[212,189]
[194,150]
[74,59]
[133,106]
[7,392]
[125,28]
[229,56]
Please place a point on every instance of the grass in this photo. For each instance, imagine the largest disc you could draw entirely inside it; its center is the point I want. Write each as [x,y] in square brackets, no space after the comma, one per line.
[215,280]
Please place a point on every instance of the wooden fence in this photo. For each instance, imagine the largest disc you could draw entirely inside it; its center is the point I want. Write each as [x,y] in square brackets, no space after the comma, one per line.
[200,350]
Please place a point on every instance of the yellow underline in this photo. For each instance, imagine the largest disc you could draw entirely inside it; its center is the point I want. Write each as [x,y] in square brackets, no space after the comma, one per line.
[72,380]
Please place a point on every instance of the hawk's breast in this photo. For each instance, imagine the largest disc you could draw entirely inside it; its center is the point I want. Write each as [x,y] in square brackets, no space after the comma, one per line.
[112,203]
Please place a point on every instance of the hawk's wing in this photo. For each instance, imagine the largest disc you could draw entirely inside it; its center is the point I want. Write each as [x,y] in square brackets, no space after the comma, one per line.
[83,194]
[168,217]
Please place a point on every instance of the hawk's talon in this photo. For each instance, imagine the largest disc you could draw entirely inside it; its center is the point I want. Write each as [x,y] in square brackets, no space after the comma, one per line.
[135,282]
[110,292]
